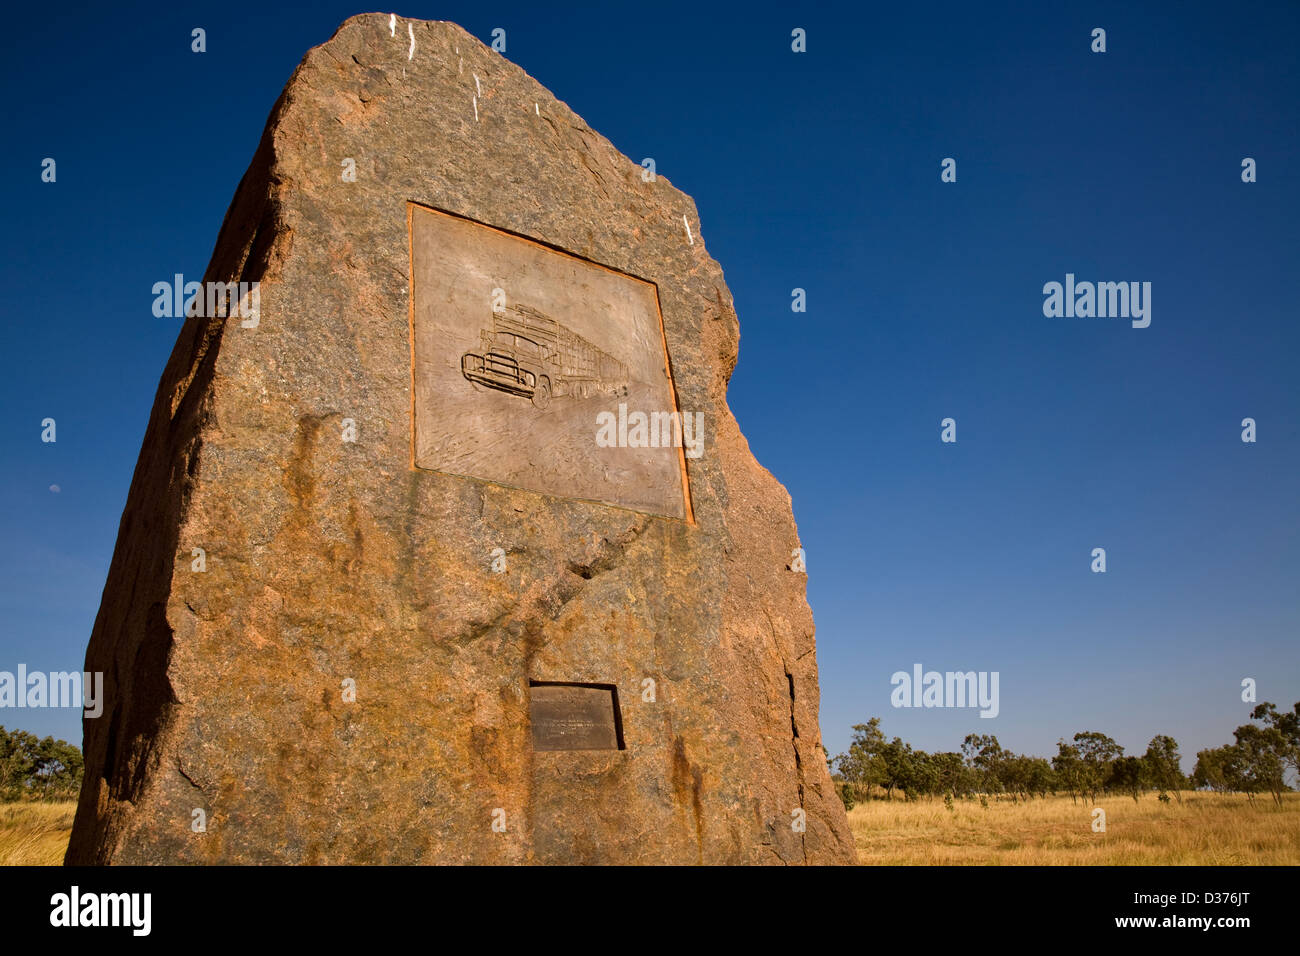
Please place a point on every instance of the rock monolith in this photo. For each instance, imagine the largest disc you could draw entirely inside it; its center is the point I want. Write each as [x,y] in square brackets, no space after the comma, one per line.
[443,545]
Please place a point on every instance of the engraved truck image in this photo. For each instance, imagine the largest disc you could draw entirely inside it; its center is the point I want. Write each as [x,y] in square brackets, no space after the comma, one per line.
[529,354]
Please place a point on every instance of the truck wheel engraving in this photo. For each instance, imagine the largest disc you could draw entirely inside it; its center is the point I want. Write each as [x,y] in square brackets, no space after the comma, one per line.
[542,394]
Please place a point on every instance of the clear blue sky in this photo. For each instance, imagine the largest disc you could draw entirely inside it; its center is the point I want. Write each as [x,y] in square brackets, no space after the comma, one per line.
[821,171]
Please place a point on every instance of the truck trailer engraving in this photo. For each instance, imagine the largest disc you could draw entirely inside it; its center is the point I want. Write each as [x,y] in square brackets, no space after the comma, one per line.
[529,354]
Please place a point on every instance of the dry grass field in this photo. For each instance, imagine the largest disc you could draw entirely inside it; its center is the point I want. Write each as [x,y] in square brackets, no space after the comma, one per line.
[1205,829]
[35,834]
[1210,829]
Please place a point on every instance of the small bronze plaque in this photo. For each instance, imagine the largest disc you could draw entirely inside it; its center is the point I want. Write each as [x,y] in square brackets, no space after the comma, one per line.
[575,717]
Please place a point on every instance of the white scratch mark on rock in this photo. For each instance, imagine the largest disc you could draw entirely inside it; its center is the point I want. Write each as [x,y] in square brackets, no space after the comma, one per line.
[536,110]
[688,229]
[411,32]
[392,24]
[477,89]
[476,109]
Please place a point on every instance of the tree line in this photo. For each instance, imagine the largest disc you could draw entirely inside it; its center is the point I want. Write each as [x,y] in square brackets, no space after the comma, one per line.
[1258,761]
[36,769]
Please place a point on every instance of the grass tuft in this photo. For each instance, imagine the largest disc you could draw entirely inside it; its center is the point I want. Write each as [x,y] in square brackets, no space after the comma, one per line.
[35,834]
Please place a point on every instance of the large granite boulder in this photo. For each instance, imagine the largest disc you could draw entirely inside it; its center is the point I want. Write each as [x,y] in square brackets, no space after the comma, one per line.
[400,578]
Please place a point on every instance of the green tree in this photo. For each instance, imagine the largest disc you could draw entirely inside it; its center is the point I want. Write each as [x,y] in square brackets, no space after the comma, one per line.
[1286,724]
[1097,752]
[918,773]
[863,767]
[17,762]
[1030,776]
[1262,753]
[1218,769]
[1069,769]
[953,776]
[896,758]
[32,768]
[985,755]
[1162,765]
[1256,763]
[1126,776]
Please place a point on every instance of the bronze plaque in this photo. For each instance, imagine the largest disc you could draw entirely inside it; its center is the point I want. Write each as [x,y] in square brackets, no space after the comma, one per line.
[574,717]
[539,370]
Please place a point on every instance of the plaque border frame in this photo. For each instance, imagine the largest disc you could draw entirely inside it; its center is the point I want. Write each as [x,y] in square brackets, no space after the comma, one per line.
[688,511]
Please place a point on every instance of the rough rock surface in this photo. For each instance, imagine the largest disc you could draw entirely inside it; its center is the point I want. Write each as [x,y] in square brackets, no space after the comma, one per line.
[328,560]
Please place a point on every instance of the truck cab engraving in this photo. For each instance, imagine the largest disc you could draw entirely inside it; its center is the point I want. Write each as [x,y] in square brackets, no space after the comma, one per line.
[527,353]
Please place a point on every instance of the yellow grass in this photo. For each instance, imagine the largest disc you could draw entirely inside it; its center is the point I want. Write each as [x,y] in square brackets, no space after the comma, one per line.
[35,834]
[1205,829]
[1211,829]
